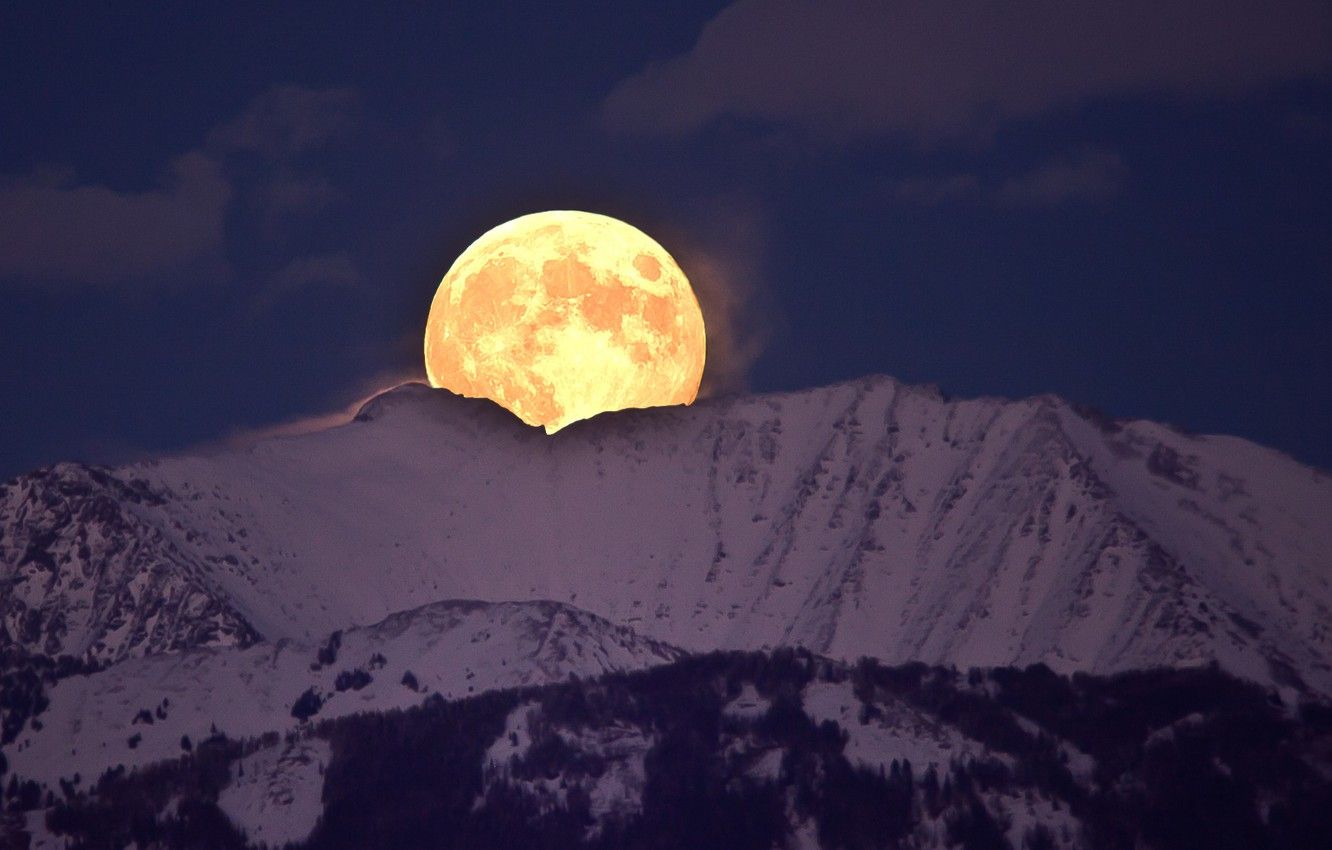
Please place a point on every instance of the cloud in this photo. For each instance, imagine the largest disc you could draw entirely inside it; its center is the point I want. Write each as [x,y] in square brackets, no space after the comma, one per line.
[1310,127]
[934,191]
[289,120]
[725,279]
[52,228]
[288,194]
[323,271]
[841,69]
[55,229]
[1089,176]
[278,126]
[343,413]
[1093,175]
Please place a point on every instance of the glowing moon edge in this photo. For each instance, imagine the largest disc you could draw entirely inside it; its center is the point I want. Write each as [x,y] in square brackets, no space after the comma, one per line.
[561,315]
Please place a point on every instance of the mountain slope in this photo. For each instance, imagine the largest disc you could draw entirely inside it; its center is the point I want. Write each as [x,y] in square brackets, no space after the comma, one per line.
[137,711]
[868,518]
[86,571]
[750,750]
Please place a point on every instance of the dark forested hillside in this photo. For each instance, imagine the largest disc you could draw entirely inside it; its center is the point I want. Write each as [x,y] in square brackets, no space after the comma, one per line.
[748,750]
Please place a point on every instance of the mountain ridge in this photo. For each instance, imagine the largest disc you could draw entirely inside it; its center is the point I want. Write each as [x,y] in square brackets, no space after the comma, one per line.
[865,518]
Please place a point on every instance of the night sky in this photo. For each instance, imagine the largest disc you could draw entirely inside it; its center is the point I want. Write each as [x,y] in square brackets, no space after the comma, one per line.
[214,221]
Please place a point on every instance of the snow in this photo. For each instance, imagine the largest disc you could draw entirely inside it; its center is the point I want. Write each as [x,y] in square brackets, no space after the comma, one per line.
[901,734]
[516,739]
[1167,733]
[866,518]
[452,648]
[1080,764]
[274,795]
[617,791]
[748,705]
[1024,812]
[767,766]
[39,837]
[805,836]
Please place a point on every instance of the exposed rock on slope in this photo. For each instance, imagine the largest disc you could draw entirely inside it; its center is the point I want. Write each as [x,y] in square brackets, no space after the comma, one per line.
[87,570]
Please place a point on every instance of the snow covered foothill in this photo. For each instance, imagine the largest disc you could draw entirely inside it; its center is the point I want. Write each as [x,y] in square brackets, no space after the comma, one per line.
[918,757]
[148,709]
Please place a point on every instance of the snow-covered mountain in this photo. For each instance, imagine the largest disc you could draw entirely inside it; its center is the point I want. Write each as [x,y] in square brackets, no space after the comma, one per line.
[867,518]
[144,710]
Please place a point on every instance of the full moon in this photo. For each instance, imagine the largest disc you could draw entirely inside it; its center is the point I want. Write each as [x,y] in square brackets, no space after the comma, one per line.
[558,316]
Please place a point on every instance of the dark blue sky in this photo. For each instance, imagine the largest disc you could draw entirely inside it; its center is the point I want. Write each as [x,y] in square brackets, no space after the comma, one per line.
[212,221]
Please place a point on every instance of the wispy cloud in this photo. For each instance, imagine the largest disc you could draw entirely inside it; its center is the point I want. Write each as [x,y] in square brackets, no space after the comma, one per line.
[319,271]
[933,191]
[58,231]
[55,229]
[340,414]
[288,120]
[287,193]
[1090,176]
[1086,177]
[722,256]
[840,69]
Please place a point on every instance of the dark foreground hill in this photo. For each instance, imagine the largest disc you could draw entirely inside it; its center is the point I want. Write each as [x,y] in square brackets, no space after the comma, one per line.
[752,750]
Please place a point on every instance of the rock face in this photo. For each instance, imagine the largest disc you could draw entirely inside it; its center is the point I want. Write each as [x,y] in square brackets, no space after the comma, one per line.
[868,518]
[86,571]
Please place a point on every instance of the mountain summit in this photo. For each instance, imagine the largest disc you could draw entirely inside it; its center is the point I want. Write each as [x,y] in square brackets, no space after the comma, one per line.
[869,518]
